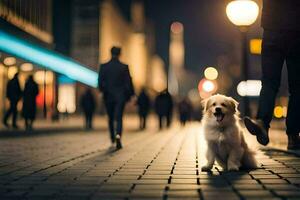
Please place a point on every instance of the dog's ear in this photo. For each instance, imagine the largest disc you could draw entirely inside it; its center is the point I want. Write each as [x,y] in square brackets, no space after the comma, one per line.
[205,104]
[234,104]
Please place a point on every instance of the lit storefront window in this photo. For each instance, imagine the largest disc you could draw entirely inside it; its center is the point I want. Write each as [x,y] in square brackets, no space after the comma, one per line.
[66,98]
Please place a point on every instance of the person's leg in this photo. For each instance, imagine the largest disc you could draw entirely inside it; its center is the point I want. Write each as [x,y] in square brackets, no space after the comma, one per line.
[169,116]
[144,121]
[91,120]
[141,121]
[272,62]
[110,109]
[293,66]
[7,114]
[14,113]
[26,123]
[160,119]
[119,116]
[86,120]
[273,56]
[31,123]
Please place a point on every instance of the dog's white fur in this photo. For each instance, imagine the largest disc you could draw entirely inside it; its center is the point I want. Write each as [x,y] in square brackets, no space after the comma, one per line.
[225,139]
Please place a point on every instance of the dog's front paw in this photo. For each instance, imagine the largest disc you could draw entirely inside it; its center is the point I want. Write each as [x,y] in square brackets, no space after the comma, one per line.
[206,168]
[233,168]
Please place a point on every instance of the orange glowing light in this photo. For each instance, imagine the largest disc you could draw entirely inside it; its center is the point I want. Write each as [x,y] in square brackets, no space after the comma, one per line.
[176,27]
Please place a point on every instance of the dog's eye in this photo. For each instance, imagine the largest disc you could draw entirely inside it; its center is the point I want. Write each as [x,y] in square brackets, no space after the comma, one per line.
[223,104]
[214,104]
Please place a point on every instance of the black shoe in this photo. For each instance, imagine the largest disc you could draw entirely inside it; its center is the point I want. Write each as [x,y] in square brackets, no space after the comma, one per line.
[293,142]
[256,127]
[118,142]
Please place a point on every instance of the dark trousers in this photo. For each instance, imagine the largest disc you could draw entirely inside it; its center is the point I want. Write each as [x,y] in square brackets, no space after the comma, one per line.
[143,121]
[11,111]
[28,123]
[163,118]
[279,47]
[115,111]
[88,120]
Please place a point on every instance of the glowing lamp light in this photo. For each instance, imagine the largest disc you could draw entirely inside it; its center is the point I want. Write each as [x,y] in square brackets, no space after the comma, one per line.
[12,70]
[249,88]
[242,12]
[40,77]
[48,59]
[207,86]
[26,67]
[9,61]
[255,46]
[211,73]
[278,112]
[176,27]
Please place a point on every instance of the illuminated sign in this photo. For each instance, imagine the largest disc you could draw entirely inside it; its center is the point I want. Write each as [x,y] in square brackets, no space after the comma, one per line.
[249,88]
[48,59]
[255,46]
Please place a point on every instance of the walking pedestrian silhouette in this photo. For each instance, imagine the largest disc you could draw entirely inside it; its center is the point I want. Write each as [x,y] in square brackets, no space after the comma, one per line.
[88,105]
[143,102]
[116,85]
[13,94]
[31,90]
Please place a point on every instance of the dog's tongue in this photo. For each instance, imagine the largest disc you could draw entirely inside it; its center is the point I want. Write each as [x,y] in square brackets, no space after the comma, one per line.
[219,118]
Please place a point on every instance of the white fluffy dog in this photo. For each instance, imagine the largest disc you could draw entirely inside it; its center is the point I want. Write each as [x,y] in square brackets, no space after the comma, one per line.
[225,140]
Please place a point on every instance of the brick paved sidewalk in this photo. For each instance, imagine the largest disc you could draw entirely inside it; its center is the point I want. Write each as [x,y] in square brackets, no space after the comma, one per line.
[157,165]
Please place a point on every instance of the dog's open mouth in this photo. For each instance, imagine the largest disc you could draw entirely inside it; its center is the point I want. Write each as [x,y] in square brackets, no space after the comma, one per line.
[219,116]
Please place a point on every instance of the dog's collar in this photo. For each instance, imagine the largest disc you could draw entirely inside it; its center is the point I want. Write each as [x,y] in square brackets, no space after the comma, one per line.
[222,128]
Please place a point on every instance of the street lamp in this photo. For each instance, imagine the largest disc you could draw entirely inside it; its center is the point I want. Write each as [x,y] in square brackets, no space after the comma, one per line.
[243,13]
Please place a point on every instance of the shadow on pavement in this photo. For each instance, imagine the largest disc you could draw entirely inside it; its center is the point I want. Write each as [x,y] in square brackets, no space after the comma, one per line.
[44,131]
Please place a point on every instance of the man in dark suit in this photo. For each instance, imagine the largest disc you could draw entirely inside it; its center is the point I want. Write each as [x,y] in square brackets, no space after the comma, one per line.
[13,94]
[281,43]
[116,84]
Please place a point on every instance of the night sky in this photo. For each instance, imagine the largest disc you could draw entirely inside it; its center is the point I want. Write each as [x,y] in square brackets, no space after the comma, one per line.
[208,32]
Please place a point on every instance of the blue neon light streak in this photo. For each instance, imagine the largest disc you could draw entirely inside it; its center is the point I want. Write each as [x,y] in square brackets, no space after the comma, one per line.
[48,59]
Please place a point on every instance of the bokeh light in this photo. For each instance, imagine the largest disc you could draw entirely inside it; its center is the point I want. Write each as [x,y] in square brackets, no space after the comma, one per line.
[208,86]
[211,73]
[278,112]
[249,88]
[242,12]
[12,70]
[177,27]
[255,46]
[26,67]
[10,61]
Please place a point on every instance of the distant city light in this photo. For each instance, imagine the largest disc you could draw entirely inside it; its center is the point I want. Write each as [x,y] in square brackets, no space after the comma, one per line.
[40,76]
[66,98]
[249,88]
[208,86]
[48,59]
[12,70]
[26,67]
[255,46]
[278,112]
[177,27]
[284,111]
[211,73]
[242,12]
[9,61]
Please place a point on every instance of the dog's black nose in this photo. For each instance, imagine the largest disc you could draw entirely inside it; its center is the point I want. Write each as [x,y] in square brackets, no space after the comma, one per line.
[218,109]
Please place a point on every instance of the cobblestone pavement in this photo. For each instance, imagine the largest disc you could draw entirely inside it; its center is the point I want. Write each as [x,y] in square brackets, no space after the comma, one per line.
[152,165]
